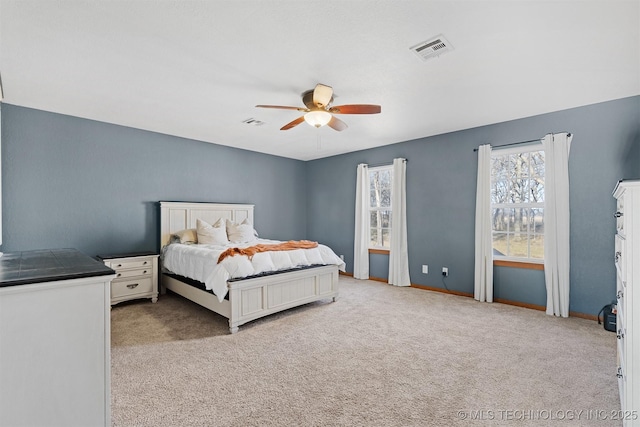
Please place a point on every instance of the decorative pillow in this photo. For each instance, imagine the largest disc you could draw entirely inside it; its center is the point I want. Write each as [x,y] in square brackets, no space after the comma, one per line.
[208,234]
[187,236]
[241,233]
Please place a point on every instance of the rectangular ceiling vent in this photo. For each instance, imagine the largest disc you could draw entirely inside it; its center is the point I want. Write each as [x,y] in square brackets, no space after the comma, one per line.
[432,48]
[252,121]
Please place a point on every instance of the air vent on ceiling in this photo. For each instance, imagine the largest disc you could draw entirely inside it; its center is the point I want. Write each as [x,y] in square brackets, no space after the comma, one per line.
[252,121]
[432,48]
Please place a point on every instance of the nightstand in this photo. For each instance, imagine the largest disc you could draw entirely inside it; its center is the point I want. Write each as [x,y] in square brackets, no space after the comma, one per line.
[136,276]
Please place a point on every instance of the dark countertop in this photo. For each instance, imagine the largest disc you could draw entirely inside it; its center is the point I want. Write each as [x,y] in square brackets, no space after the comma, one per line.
[48,265]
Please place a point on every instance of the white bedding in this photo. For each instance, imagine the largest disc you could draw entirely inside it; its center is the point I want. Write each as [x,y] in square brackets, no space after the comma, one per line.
[200,262]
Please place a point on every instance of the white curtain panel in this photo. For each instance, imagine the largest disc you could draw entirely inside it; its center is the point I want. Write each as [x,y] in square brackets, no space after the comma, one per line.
[483,274]
[399,253]
[361,239]
[556,223]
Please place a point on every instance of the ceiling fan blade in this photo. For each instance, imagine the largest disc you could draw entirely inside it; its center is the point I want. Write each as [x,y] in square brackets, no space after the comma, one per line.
[356,109]
[322,95]
[292,124]
[337,124]
[283,107]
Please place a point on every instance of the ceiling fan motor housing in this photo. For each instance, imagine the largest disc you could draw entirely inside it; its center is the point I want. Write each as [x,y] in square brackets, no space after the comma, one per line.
[307,100]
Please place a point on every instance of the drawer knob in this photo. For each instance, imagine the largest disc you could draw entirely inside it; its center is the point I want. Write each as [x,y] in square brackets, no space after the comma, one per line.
[119,265]
[144,272]
[119,274]
[132,286]
[144,263]
[617,214]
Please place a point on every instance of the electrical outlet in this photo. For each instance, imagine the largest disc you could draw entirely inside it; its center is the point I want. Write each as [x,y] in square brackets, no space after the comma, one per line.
[445,271]
[425,269]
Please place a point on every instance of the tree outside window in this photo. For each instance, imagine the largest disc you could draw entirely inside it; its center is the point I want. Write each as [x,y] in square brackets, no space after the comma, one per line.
[380,207]
[517,204]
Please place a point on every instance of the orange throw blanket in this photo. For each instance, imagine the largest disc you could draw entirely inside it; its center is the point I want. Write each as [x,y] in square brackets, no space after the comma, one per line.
[252,250]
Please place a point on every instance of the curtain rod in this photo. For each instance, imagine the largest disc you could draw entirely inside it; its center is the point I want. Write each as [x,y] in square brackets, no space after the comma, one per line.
[385,164]
[521,142]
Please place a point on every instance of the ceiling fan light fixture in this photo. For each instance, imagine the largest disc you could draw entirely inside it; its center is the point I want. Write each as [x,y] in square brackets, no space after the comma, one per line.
[317,118]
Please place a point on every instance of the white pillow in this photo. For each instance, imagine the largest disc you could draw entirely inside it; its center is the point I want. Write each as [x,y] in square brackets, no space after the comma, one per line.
[187,236]
[208,234]
[240,233]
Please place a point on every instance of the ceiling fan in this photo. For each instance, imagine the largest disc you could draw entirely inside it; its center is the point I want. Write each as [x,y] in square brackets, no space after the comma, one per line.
[320,112]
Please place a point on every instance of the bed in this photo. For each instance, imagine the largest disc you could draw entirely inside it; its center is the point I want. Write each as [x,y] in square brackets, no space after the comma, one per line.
[249,298]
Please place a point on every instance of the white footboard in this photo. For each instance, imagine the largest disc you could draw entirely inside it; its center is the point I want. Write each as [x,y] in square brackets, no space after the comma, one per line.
[254,298]
[250,299]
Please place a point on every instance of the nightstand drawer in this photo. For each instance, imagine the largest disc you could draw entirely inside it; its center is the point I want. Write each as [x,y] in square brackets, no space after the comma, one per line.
[124,274]
[133,263]
[123,288]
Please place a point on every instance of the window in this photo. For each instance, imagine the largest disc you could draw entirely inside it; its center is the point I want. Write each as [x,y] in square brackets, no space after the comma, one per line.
[517,203]
[380,206]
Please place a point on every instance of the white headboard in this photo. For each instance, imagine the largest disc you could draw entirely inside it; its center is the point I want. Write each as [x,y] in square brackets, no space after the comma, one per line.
[176,216]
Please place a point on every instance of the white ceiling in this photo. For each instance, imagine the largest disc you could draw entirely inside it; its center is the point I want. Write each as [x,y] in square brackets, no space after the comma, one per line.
[196,69]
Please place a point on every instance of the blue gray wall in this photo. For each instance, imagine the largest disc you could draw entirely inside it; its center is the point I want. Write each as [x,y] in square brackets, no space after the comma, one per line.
[441,185]
[71,182]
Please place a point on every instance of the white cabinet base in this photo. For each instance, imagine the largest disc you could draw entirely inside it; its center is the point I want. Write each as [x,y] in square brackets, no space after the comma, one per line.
[627,260]
[55,353]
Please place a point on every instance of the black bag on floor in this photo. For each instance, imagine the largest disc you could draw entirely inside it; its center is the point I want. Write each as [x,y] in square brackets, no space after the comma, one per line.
[608,317]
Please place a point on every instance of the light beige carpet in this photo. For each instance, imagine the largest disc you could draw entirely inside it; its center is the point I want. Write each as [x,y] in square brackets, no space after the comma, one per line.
[379,356]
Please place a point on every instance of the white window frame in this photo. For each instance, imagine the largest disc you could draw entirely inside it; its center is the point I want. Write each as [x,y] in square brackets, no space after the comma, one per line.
[497,151]
[371,209]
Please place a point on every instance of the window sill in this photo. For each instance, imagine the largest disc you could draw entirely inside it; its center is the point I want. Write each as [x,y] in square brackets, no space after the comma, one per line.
[379,251]
[518,264]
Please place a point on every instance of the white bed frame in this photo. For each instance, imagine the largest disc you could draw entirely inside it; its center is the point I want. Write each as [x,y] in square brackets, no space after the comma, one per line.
[249,299]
